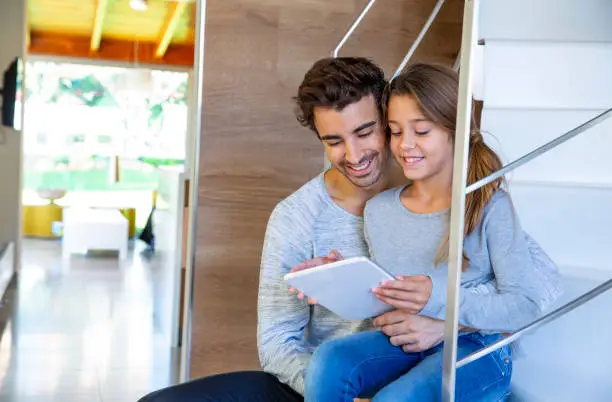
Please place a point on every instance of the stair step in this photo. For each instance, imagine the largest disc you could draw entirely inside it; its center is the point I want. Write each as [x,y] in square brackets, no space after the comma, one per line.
[585,158]
[565,20]
[573,225]
[572,350]
[546,75]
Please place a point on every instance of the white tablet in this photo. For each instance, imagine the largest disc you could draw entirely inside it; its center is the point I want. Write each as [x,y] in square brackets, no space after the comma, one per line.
[344,287]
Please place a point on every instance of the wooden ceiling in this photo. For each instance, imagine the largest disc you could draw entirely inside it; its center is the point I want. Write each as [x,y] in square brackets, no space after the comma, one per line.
[113,30]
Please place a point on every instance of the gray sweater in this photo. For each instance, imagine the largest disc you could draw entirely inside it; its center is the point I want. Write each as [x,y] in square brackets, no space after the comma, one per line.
[305,225]
[526,280]
[309,224]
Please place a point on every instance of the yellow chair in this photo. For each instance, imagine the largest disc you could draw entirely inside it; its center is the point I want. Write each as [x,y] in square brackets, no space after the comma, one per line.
[130,215]
[37,220]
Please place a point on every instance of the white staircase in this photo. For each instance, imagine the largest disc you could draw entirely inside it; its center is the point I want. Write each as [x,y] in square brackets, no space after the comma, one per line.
[547,68]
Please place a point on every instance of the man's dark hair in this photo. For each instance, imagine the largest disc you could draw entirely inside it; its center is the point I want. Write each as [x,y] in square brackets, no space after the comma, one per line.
[336,83]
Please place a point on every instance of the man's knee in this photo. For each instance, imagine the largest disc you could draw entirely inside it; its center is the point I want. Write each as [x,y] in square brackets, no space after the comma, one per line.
[169,394]
[221,387]
[203,388]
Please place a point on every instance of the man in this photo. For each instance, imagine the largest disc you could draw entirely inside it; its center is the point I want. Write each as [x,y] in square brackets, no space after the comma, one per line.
[340,100]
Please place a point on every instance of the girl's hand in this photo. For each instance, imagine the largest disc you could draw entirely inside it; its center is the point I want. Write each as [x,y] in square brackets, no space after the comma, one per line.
[408,293]
[333,256]
[414,333]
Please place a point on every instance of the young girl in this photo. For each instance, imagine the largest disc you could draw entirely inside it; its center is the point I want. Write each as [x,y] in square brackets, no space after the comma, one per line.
[407,232]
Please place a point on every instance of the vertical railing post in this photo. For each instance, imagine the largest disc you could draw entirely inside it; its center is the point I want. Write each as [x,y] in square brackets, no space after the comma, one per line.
[197,92]
[455,259]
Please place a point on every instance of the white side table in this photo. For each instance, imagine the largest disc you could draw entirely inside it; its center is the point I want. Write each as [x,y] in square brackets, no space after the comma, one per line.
[94,229]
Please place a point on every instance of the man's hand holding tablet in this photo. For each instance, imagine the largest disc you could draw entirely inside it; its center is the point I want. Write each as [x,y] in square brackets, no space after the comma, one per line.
[344,286]
[333,256]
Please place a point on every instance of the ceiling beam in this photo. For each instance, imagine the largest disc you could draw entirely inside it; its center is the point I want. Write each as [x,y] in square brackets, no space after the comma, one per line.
[78,47]
[172,21]
[96,35]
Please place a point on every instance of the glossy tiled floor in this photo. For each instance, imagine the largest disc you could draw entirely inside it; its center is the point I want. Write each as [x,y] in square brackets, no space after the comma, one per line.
[83,330]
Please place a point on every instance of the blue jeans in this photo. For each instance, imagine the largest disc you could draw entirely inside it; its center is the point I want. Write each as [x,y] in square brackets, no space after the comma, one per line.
[366,365]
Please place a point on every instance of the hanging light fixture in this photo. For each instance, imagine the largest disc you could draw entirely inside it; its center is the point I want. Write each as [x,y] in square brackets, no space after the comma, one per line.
[139,5]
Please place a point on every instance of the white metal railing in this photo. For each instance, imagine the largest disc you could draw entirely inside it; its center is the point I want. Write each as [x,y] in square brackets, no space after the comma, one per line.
[353,27]
[419,38]
[415,44]
[561,311]
[460,190]
[539,151]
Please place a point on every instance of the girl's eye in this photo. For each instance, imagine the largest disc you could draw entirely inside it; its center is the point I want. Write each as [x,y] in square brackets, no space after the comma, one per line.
[396,134]
[422,132]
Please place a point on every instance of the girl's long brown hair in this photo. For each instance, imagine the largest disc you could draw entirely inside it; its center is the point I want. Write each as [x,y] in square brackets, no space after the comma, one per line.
[435,88]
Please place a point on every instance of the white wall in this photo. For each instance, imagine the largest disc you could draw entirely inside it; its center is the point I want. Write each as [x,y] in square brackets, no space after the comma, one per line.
[12,38]
[12,30]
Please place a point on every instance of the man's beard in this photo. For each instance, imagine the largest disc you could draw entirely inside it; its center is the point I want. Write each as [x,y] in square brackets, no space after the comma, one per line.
[377,170]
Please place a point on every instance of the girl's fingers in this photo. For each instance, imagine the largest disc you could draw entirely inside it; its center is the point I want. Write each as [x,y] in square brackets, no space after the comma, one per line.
[401,304]
[396,294]
[405,285]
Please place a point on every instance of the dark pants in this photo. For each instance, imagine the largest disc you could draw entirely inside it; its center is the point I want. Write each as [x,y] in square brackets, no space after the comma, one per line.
[244,386]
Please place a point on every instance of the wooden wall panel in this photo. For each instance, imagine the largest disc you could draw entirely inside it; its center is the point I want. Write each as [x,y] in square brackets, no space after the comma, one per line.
[253,152]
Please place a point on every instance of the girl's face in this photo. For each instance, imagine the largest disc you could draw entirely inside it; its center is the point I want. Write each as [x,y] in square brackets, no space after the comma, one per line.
[423,149]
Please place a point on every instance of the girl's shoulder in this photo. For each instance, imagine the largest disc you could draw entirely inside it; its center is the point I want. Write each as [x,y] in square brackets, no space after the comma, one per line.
[383,200]
[499,201]
[500,209]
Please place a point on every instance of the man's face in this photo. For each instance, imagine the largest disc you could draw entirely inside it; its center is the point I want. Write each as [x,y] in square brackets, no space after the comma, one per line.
[354,141]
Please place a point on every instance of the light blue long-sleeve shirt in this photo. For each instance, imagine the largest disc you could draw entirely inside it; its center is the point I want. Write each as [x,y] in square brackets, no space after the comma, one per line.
[526,280]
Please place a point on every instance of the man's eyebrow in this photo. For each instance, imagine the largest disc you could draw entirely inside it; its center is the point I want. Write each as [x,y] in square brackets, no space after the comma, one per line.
[331,137]
[364,126]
